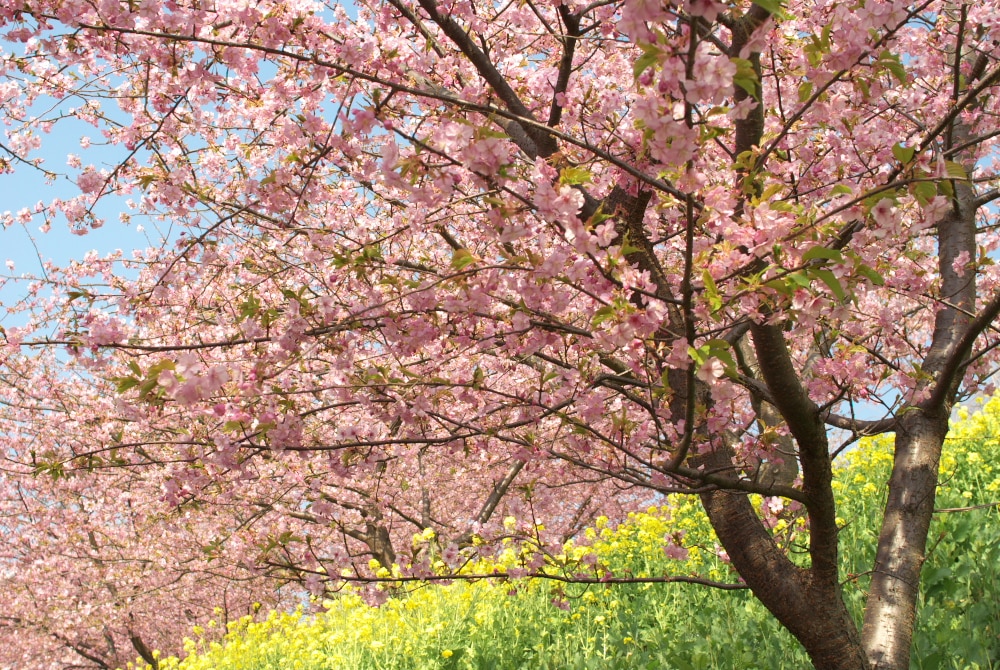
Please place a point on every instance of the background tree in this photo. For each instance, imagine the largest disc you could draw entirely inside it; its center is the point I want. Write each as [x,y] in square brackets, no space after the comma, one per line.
[97,570]
[448,263]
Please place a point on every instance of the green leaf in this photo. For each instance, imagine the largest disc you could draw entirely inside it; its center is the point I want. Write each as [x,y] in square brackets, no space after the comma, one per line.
[729,363]
[711,291]
[831,281]
[955,171]
[54,470]
[924,191]
[903,154]
[799,278]
[598,218]
[147,387]
[869,272]
[893,64]
[602,315]
[748,84]
[722,350]
[232,427]
[824,38]
[781,286]
[123,384]
[814,52]
[160,366]
[371,252]
[490,133]
[841,189]
[746,77]
[772,6]
[462,258]
[805,91]
[249,308]
[269,316]
[146,180]
[864,87]
[572,176]
[769,192]
[292,295]
[744,160]
[649,58]
[824,253]
[780,206]
[628,249]
[697,355]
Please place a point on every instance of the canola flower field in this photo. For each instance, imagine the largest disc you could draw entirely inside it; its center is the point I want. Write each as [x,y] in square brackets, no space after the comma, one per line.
[518,623]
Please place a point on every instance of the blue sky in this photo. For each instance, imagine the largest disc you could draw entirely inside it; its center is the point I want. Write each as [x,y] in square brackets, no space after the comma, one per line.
[25,244]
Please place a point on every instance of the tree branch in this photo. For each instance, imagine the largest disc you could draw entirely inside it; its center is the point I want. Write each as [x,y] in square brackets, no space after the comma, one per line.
[544,141]
[955,364]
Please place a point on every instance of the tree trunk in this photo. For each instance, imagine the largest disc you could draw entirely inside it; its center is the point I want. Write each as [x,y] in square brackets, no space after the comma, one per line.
[891,610]
[810,607]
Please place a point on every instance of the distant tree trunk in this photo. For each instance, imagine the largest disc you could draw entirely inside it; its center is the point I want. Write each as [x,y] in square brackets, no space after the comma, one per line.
[141,648]
[380,544]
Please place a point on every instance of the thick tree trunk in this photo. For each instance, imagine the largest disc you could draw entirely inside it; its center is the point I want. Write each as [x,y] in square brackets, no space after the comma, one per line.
[810,608]
[891,610]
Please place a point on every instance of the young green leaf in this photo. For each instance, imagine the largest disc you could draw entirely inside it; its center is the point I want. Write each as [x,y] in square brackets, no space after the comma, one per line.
[823,253]
[903,154]
[462,258]
[831,281]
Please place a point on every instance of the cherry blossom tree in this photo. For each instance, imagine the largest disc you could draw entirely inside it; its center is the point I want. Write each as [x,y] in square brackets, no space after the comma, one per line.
[97,571]
[479,271]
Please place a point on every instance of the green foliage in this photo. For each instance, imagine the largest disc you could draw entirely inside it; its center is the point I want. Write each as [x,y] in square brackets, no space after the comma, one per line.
[543,624]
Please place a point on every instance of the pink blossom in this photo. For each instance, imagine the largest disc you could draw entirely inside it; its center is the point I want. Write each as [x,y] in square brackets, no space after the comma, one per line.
[707,9]
[676,552]
[90,180]
[961,263]
[711,370]
[882,212]
[188,393]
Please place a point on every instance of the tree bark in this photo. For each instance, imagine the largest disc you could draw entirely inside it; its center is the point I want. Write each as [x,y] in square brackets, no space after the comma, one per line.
[890,613]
